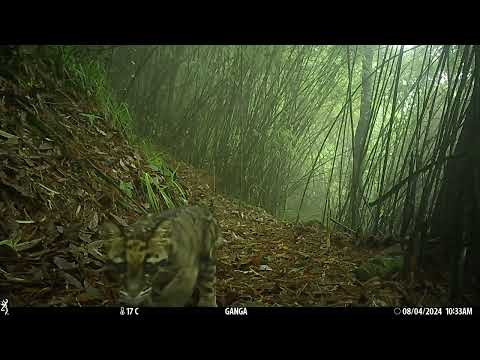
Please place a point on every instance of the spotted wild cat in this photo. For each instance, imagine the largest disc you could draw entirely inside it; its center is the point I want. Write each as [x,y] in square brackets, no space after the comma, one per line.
[164,259]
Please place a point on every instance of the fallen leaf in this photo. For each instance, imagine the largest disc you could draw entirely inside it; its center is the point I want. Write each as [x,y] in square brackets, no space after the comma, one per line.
[27,245]
[305,255]
[42,167]
[264,268]
[236,237]
[7,135]
[93,224]
[83,235]
[100,131]
[122,164]
[25,221]
[44,146]
[12,141]
[29,162]
[119,219]
[71,280]
[50,191]
[63,264]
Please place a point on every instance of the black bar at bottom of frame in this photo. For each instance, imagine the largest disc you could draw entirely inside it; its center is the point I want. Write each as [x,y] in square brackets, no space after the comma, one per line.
[226,313]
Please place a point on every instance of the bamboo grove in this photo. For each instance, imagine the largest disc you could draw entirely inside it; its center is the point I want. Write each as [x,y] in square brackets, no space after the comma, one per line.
[382,139]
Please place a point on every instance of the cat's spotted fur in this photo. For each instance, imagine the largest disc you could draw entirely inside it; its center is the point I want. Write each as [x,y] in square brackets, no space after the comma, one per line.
[164,259]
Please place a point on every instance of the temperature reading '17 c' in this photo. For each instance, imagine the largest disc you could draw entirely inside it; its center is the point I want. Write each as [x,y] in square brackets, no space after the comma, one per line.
[129,311]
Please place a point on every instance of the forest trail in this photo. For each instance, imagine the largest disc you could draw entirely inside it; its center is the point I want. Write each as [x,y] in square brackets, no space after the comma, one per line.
[62,162]
[268,262]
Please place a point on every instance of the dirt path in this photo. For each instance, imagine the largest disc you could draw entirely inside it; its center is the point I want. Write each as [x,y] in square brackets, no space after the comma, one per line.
[266,262]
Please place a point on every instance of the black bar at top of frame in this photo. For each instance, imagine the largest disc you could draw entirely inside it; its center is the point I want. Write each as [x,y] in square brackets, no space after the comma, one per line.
[224,31]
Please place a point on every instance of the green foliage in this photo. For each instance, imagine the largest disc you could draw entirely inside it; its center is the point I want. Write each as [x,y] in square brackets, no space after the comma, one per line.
[89,74]
[160,166]
[381,266]
[153,189]
[151,195]
[13,241]
[91,118]
[120,115]
[85,73]
[127,188]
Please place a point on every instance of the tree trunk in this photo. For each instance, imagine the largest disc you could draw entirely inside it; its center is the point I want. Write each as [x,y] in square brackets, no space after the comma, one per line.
[360,138]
